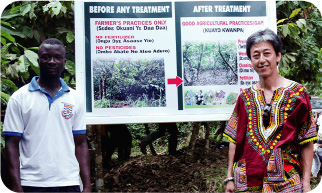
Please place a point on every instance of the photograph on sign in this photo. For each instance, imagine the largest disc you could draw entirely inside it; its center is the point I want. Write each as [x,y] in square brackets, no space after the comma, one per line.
[126,83]
[215,66]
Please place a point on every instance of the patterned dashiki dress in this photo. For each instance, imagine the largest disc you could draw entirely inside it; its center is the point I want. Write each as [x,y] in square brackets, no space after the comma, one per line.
[267,159]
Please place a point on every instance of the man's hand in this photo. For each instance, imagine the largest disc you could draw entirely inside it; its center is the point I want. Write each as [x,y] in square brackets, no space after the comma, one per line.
[87,189]
[230,186]
[13,162]
[82,155]
[306,187]
[306,163]
[17,188]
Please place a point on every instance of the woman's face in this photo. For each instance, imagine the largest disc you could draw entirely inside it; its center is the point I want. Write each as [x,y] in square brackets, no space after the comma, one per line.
[264,59]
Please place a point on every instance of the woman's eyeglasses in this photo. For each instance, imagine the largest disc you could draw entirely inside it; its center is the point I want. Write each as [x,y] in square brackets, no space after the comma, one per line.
[266,114]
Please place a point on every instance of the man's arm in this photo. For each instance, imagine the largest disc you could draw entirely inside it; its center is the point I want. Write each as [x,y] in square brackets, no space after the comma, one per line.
[230,187]
[82,155]
[306,162]
[13,162]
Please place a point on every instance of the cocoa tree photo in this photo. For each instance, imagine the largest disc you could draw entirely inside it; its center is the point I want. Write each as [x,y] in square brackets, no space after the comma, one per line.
[210,63]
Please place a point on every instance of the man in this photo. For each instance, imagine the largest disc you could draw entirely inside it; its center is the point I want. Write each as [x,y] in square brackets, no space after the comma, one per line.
[272,129]
[46,147]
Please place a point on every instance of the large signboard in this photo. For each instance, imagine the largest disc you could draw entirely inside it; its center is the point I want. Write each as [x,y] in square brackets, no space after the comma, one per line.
[171,61]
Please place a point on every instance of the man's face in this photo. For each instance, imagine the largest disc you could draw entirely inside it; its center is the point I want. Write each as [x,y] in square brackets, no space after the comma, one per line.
[264,59]
[51,60]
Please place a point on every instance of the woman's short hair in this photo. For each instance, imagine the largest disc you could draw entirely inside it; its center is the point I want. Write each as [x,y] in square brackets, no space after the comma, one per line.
[261,36]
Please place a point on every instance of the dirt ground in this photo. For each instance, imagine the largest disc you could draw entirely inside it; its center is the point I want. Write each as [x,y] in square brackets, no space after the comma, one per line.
[165,173]
[209,77]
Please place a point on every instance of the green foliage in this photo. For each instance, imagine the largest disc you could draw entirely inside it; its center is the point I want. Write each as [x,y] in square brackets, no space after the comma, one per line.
[314,183]
[299,25]
[129,83]
[2,140]
[215,180]
[24,25]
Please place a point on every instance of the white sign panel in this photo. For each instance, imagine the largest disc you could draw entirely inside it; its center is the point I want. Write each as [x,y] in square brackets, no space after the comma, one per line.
[143,62]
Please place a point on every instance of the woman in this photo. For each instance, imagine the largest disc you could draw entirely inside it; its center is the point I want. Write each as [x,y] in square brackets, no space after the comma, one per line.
[271,130]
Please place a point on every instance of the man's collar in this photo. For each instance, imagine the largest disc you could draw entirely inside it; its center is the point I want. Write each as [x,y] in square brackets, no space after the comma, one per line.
[33,86]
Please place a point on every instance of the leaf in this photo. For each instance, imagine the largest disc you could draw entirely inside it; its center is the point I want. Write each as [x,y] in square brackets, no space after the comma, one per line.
[64,9]
[70,36]
[12,71]
[6,14]
[56,7]
[285,70]
[292,58]
[7,36]
[21,46]
[4,49]
[11,56]
[14,9]
[281,21]
[279,3]
[25,9]
[284,62]
[15,49]
[70,67]
[3,41]
[293,31]
[294,13]
[45,8]
[13,32]
[36,35]
[23,65]
[301,23]
[32,57]
[284,30]
[35,69]
[5,23]
[61,30]
[4,95]
[27,31]
[32,14]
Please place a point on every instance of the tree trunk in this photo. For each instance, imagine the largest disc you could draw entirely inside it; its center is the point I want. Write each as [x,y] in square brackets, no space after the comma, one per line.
[221,128]
[104,86]
[100,87]
[207,133]
[184,54]
[193,139]
[99,177]
[231,68]
[199,62]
